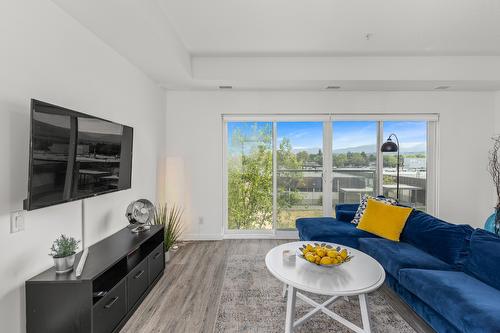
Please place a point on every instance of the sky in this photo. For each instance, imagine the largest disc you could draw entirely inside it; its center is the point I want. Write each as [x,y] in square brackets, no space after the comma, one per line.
[346,134]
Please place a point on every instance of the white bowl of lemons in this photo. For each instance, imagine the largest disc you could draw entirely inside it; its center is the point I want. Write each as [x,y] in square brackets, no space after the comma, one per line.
[323,254]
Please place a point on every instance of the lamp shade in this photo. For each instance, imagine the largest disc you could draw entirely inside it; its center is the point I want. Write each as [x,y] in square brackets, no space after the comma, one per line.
[389,146]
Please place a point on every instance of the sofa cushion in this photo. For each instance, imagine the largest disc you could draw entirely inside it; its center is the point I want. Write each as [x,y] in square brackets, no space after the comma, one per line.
[467,303]
[345,212]
[435,320]
[386,221]
[328,229]
[448,242]
[394,256]
[344,215]
[483,261]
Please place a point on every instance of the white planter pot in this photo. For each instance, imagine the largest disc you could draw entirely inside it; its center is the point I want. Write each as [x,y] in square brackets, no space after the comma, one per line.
[64,264]
[167,256]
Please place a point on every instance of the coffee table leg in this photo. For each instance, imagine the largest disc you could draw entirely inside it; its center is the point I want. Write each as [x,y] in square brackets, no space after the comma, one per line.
[365,315]
[290,309]
[284,289]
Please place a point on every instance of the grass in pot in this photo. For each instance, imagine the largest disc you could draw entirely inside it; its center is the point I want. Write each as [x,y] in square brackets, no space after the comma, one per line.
[170,218]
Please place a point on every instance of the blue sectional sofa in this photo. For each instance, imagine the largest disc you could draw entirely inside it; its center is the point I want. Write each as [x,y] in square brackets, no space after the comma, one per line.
[449,274]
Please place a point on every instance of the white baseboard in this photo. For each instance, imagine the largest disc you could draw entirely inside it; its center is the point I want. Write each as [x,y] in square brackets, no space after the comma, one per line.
[198,237]
[279,235]
[210,237]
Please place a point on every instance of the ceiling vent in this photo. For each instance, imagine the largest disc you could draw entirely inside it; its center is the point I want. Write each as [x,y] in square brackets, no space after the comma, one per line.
[442,87]
[332,87]
[225,87]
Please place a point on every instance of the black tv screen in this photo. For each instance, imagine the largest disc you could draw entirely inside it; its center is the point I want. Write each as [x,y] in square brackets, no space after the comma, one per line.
[74,156]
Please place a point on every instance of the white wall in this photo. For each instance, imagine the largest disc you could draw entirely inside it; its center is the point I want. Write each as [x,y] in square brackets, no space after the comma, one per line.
[46,54]
[497,113]
[194,144]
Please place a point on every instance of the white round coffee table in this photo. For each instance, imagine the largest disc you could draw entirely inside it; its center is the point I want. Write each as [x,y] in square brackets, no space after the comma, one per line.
[357,277]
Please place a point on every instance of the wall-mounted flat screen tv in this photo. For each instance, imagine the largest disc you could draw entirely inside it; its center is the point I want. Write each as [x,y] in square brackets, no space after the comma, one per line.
[74,156]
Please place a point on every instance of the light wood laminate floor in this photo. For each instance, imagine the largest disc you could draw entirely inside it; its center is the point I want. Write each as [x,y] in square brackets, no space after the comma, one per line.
[186,297]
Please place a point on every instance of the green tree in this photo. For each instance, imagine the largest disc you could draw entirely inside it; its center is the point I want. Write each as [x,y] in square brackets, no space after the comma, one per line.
[289,177]
[250,179]
[390,161]
[303,157]
[353,160]
[416,155]
[316,159]
[285,156]
[340,160]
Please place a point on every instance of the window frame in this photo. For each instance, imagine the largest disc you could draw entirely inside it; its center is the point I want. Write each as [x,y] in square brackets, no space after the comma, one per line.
[432,190]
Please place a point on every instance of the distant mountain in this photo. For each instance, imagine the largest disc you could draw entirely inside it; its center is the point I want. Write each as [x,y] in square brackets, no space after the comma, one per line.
[418,148]
[369,149]
[307,150]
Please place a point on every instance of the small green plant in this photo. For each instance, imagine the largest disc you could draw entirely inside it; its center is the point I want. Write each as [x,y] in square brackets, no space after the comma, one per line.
[64,246]
[171,219]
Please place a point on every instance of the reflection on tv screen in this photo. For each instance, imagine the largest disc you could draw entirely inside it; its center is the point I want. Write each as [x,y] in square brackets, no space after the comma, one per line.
[75,156]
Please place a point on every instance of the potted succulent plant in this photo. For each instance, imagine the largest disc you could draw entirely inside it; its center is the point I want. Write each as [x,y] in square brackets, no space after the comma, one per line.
[63,252]
[171,219]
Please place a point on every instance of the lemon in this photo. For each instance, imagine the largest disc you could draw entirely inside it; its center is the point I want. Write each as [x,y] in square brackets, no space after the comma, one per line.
[320,252]
[305,251]
[309,247]
[332,253]
[310,257]
[326,261]
[343,253]
[318,260]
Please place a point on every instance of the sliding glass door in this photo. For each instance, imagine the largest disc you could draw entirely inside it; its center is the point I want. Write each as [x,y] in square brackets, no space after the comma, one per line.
[299,171]
[412,136]
[354,160]
[250,176]
[278,171]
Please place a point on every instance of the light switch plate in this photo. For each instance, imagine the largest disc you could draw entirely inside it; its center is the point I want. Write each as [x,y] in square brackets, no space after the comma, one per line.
[17,221]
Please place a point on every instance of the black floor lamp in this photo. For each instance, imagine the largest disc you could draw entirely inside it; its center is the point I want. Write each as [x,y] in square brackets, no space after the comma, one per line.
[390,147]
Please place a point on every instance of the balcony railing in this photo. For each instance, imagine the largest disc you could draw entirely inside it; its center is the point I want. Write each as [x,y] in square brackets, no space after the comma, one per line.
[349,184]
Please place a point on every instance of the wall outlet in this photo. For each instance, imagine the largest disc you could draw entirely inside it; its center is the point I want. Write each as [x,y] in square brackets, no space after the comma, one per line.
[17,221]
[200,220]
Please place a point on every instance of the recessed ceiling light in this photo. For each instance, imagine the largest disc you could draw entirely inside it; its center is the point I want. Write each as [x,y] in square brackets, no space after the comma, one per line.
[225,87]
[442,87]
[332,87]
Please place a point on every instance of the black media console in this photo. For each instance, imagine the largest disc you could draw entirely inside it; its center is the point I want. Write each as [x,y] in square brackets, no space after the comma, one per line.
[119,273]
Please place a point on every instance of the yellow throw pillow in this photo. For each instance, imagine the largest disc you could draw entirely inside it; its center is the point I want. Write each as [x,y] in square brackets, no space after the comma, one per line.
[384,220]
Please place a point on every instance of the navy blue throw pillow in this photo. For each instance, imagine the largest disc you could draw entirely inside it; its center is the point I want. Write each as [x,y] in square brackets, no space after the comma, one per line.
[484,258]
[446,241]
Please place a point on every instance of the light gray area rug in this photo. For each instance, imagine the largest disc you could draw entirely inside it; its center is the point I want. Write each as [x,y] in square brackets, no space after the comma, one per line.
[251,301]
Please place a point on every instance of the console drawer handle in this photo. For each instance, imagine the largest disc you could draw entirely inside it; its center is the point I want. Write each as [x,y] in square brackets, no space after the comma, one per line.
[156,255]
[138,275]
[110,304]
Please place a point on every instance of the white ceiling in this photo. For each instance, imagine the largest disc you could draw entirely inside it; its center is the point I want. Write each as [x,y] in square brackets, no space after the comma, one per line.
[302,44]
[336,27]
